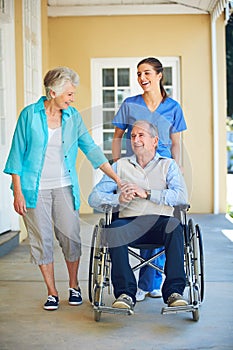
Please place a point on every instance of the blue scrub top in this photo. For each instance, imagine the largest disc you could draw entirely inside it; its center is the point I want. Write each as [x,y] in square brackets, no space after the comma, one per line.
[168,118]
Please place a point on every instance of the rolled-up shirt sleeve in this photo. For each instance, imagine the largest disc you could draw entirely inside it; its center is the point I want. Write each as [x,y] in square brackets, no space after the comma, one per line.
[86,143]
[104,193]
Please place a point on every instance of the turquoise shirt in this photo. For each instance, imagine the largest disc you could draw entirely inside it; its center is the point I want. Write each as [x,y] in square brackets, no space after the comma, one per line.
[29,143]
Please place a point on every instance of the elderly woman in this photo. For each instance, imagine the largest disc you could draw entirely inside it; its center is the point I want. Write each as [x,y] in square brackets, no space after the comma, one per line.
[42,162]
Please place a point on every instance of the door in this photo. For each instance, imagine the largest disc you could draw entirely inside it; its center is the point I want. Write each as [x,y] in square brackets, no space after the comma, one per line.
[8,218]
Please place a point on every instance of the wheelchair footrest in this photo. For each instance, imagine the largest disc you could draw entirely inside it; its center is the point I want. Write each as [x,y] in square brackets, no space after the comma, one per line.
[113,310]
[176,309]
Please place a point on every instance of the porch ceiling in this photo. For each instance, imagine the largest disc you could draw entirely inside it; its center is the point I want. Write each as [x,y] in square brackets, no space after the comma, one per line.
[136,7]
[155,6]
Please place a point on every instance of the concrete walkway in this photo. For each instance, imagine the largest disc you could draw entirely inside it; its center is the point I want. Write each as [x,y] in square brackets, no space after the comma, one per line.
[25,325]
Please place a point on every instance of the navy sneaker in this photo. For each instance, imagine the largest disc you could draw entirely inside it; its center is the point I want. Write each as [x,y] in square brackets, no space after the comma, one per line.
[75,296]
[52,303]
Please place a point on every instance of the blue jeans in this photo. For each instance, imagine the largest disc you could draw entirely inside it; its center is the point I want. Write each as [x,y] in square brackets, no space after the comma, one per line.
[149,278]
[148,229]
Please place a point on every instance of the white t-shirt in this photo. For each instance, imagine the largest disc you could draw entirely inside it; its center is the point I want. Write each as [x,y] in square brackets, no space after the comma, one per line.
[54,173]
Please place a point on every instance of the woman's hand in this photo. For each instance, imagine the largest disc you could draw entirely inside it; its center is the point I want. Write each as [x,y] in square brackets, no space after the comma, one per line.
[19,201]
[20,204]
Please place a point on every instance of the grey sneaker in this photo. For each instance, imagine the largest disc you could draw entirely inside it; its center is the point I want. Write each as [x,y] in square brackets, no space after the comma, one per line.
[124,301]
[176,299]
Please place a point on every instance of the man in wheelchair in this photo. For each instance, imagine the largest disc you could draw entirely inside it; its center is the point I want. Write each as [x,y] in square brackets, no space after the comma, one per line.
[151,187]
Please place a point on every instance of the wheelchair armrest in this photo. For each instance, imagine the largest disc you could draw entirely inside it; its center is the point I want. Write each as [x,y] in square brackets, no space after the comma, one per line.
[182,207]
[179,210]
[111,213]
[114,211]
[107,208]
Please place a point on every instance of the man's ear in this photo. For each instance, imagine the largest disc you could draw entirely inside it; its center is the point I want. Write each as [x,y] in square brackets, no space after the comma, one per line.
[156,140]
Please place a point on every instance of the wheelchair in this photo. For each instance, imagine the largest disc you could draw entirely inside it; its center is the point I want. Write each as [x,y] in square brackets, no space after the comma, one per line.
[99,281]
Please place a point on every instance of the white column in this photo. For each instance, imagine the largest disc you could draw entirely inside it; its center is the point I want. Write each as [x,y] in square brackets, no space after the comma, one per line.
[215,114]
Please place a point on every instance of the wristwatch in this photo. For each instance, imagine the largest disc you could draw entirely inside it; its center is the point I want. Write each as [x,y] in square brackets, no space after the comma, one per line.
[148,192]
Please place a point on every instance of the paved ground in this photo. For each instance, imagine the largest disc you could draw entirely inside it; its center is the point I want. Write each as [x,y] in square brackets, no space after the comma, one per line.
[25,325]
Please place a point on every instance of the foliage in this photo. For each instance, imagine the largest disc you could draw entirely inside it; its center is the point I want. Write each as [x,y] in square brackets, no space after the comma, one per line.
[230,210]
[229,124]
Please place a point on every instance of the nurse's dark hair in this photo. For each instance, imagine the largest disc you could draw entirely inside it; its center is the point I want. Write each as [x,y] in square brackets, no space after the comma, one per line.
[56,79]
[151,128]
[158,68]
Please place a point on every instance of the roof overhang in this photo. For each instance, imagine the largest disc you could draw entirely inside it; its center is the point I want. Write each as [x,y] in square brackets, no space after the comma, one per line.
[60,8]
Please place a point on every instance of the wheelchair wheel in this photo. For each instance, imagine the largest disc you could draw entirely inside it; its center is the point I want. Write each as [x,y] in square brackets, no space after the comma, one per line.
[95,253]
[97,301]
[97,315]
[91,265]
[196,268]
[196,315]
[201,262]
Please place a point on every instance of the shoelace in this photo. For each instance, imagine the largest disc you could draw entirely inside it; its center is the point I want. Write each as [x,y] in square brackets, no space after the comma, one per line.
[52,299]
[173,297]
[75,293]
[124,296]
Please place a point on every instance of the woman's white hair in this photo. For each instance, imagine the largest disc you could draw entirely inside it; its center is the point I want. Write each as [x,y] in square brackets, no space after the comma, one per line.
[57,78]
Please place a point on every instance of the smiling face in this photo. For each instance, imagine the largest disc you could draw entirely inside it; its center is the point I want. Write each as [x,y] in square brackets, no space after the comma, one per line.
[63,100]
[142,142]
[148,79]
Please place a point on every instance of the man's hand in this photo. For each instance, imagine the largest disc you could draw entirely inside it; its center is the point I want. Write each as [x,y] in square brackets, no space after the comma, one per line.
[129,191]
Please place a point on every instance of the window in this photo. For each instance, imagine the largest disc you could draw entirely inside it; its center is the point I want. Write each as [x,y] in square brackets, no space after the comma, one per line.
[6,10]
[115,88]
